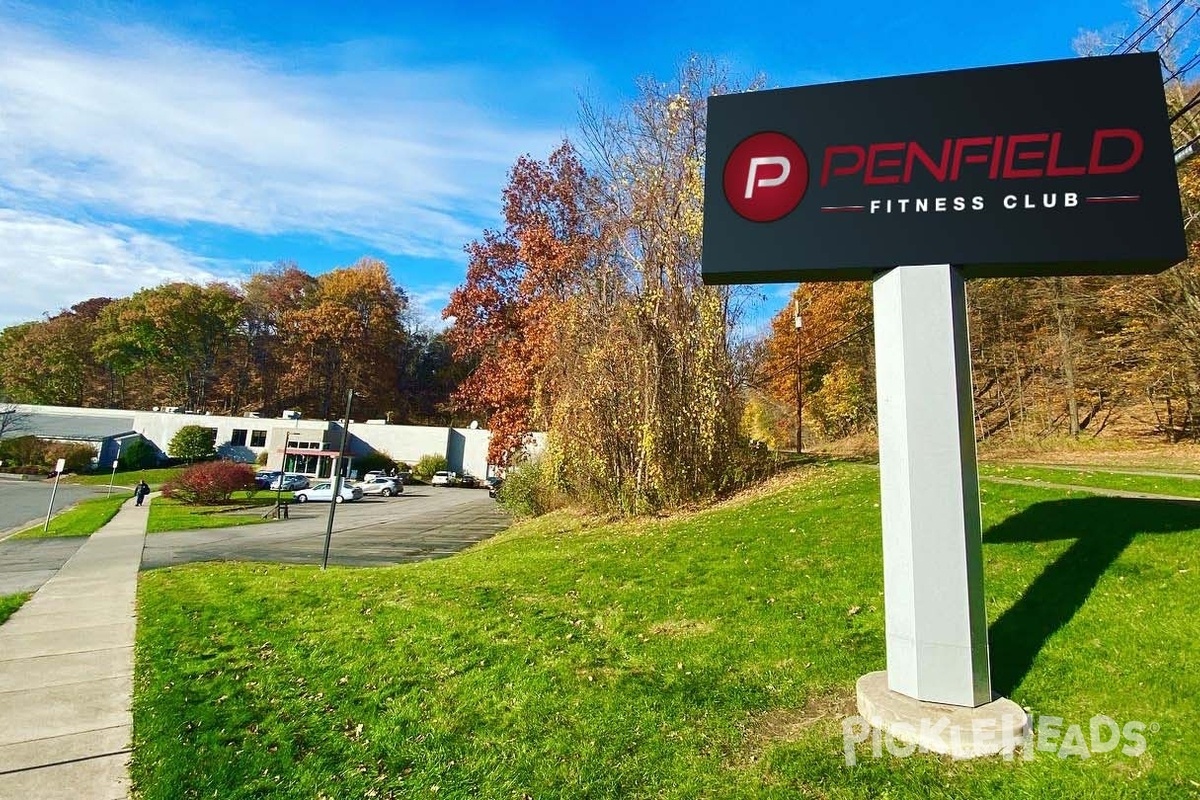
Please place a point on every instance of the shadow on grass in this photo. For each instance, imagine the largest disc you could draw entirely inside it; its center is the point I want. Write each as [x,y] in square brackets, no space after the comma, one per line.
[1102,528]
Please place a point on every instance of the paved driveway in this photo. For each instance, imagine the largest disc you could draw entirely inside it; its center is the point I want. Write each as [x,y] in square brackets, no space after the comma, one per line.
[22,502]
[27,564]
[422,523]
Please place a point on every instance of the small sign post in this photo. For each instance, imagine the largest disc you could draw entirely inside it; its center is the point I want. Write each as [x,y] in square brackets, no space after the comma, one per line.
[112,477]
[1053,168]
[58,468]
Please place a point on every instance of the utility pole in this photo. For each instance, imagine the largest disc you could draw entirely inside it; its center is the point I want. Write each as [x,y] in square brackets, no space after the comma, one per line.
[287,435]
[337,477]
[799,378]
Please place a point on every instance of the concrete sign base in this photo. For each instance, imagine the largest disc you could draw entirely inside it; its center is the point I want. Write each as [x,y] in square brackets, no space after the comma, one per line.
[994,728]
[937,646]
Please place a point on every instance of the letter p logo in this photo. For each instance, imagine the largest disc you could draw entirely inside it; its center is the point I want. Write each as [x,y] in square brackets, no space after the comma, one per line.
[784,165]
[765,177]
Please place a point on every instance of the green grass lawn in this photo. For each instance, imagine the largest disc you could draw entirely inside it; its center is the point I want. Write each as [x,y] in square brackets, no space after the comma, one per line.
[711,655]
[9,604]
[1150,484]
[244,508]
[154,477]
[82,519]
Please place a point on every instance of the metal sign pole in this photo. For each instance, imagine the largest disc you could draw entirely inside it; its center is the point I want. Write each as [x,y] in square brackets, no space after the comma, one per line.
[279,486]
[937,647]
[112,478]
[337,478]
[58,468]
[934,616]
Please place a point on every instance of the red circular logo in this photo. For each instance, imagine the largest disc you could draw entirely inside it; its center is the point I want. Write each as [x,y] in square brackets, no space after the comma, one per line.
[766,177]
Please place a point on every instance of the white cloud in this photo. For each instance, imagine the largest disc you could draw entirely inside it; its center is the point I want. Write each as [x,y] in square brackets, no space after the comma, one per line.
[49,264]
[130,123]
[427,304]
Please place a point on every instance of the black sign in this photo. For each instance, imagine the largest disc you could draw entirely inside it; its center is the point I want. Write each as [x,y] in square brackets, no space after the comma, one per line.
[1052,168]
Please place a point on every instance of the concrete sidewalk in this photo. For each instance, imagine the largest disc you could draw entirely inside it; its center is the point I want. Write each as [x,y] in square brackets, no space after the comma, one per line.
[66,673]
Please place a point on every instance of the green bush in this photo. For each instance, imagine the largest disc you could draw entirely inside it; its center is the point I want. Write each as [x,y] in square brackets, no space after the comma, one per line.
[138,454]
[375,460]
[22,451]
[524,492]
[261,458]
[193,443]
[79,457]
[429,464]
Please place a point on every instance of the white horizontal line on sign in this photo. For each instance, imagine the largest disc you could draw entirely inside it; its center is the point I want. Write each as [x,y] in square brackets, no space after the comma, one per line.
[1115,198]
[843,208]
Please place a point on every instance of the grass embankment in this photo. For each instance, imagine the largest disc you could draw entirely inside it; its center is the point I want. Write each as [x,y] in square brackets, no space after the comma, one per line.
[82,519]
[712,655]
[1148,484]
[244,508]
[154,477]
[9,604]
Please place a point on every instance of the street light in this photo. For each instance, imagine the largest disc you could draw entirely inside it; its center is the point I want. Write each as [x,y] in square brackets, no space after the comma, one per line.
[799,376]
[337,477]
[279,487]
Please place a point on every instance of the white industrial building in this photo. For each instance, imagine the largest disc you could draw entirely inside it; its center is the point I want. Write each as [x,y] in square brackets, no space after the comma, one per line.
[311,444]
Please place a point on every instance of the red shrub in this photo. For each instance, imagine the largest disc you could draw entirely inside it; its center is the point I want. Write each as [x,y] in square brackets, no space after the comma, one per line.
[210,483]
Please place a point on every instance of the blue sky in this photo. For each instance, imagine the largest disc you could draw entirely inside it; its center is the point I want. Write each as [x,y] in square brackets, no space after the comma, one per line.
[144,142]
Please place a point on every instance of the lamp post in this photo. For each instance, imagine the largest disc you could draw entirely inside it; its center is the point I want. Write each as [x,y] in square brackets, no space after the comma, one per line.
[287,435]
[337,477]
[799,380]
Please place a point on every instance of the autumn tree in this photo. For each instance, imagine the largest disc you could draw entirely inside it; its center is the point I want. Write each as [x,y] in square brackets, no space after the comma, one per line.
[268,296]
[512,307]
[50,361]
[590,319]
[179,331]
[828,361]
[348,335]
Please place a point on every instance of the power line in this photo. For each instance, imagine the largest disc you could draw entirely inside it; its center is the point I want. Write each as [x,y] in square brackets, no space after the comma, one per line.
[1188,106]
[1179,73]
[1121,47]
[1137,43]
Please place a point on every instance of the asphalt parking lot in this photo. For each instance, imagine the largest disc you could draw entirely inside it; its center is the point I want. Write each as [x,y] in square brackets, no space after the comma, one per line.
[420,524]
[22,502]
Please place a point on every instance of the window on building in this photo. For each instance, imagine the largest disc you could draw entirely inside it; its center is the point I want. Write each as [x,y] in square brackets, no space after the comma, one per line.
[258,438]
[239,437]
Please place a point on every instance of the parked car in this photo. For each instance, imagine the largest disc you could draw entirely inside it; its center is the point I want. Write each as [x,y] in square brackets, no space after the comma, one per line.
[468,481]
[289,483]
[323,493]
[382,486]
[443,478]
[494,485]
[264,478]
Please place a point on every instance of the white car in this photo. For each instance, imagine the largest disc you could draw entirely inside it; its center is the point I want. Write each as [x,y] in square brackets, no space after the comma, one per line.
[323,493]
[442,478]
[382,486]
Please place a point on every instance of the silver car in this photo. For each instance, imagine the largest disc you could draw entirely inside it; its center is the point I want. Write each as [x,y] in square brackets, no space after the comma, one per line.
[381,485]
[289,482]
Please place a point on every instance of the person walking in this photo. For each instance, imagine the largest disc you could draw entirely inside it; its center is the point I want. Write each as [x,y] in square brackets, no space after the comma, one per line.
[140,491]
